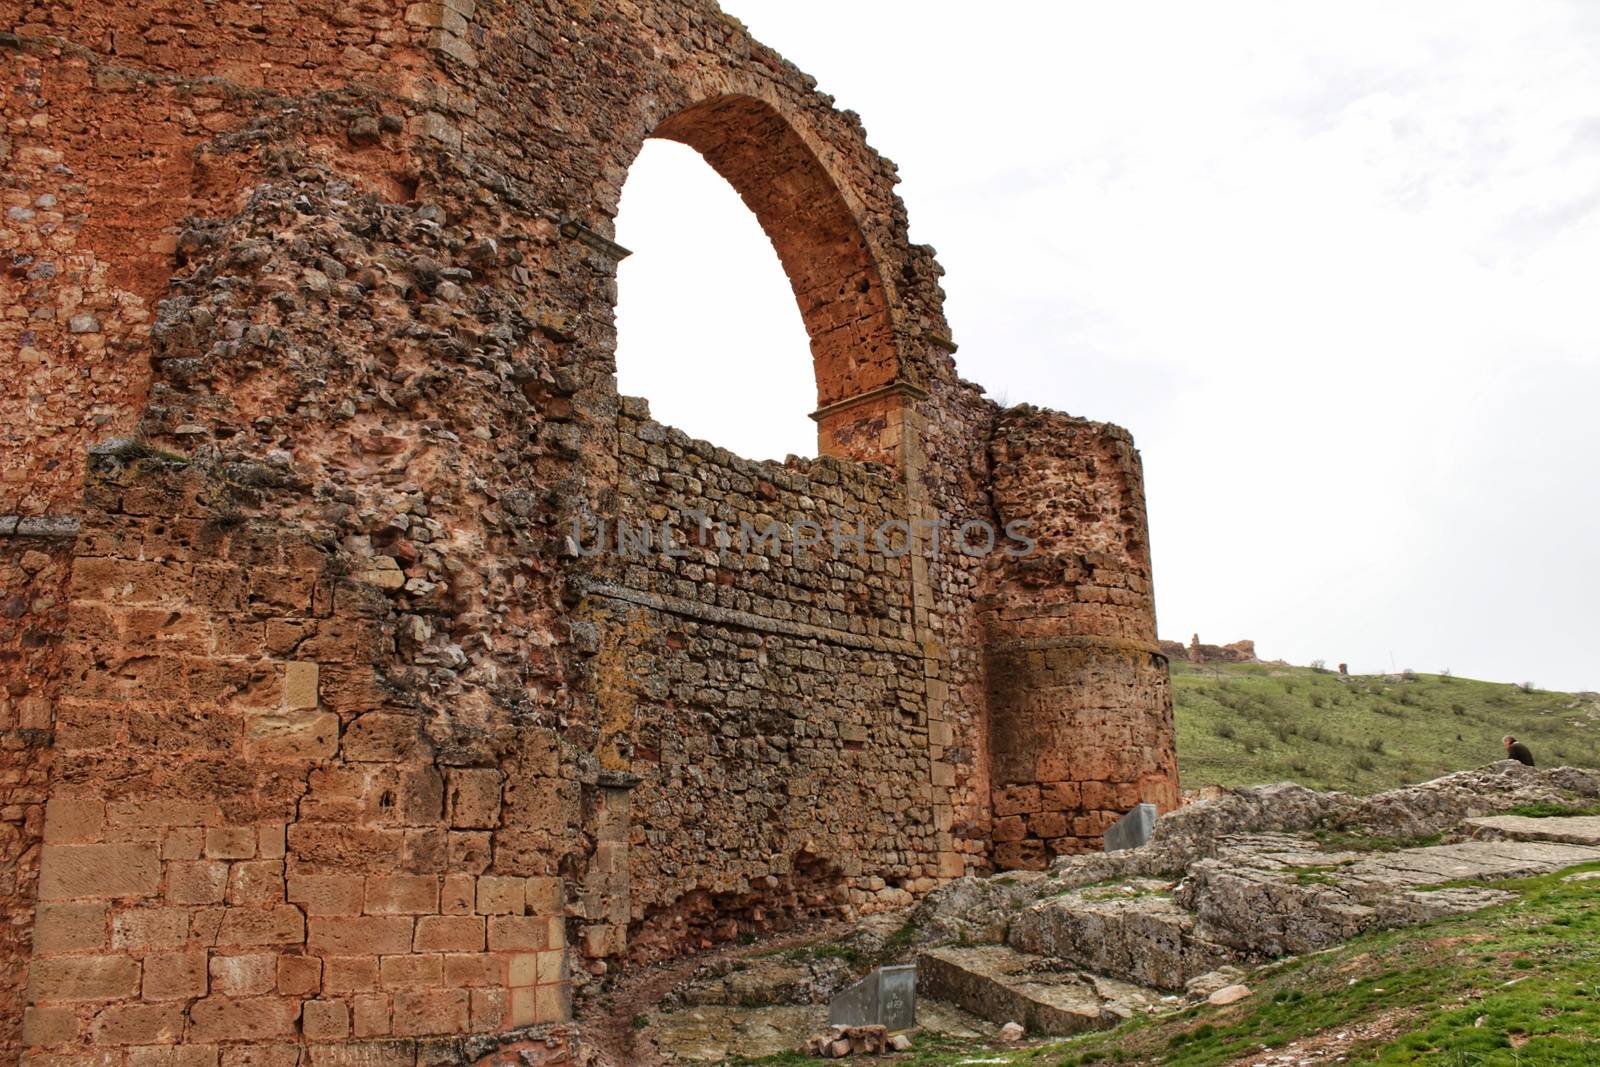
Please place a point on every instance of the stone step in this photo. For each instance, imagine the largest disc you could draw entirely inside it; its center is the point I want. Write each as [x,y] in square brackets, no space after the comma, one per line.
[1571,829]
[1135,932]
[1001,984]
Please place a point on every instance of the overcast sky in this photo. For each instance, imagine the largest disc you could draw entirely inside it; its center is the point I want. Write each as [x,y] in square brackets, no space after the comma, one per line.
[1336,266]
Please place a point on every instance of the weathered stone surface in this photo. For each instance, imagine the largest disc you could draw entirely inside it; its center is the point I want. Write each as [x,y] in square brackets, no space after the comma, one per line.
[1574,830]
[1135,932]
[1000,984]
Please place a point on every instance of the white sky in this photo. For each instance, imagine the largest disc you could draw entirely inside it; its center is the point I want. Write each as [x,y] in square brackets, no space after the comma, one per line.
[1335,265]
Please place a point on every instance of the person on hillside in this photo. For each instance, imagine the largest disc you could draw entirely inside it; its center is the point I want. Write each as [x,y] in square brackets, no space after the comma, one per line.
[1518,751]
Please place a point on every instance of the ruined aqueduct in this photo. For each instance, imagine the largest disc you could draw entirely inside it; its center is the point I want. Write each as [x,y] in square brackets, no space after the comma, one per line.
[320,735]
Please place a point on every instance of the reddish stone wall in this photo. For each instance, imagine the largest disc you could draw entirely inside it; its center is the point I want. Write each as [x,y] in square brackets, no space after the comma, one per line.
[33,614]
[1079,699]
[357,755]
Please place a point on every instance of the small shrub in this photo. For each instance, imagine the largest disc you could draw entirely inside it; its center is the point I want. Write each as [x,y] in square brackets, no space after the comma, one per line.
[1527,687]
[1225,731]
[1375,745]
[1318,700]
[1320,666]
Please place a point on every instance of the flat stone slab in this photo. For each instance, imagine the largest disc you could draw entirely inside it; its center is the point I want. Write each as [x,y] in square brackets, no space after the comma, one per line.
[1267,896]
[1000,984]
[1474,860]
[1570,829]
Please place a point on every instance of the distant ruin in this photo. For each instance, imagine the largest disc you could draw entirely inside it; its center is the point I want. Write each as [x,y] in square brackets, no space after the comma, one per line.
[322,734]
[1195,652]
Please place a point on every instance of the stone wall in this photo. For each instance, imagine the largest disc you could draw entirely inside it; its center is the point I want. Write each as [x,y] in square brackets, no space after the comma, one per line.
[35,561]
[327,734]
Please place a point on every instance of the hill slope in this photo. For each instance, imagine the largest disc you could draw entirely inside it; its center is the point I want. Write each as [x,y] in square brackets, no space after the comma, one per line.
[1247,723]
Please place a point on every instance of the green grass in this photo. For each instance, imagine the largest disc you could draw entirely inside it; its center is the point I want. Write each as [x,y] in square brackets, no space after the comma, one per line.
[1250,723]
[1529,969]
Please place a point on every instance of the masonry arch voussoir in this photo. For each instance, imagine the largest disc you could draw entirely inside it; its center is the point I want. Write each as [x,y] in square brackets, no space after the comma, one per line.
[837,280]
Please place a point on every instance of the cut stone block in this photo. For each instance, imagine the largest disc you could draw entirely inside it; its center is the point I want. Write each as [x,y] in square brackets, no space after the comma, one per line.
[1000,984]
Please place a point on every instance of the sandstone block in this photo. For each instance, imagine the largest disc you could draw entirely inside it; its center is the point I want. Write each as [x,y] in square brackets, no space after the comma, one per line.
[281,925]
[138,1024]
[78,871]
[163,813]
[401,894]
[468,969]
[327,894]
[325,1020]
[433,1011]
[474,798]
[299,975]
[246,1019]
[300,684]
[371,1015]
[410,972]
[174,975]
[293,734]
[489,1009]
[450,933]
[173,1056]
[517,933]
[363,1054]
[243,975]
[377,935]
[256,882]
[69,819]
[197,882]
[49,1026]
[83,978]
[231,842]
[500,895]
[349,974]
[150,928]
[68,927]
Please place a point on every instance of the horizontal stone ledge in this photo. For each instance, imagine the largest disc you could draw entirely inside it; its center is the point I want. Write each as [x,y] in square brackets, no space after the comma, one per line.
[749,620]
[896,388]
[1038,644]
[54,526]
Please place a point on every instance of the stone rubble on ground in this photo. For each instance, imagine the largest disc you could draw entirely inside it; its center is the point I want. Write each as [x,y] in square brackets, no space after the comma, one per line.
[842,1041]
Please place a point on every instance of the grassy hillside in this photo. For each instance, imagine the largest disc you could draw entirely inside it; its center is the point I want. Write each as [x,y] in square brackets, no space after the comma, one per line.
[1248,723]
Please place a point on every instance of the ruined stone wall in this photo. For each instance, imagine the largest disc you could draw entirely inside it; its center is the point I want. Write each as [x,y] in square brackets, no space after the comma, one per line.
[34,564]
[346,747]
[760,681]
[1079,698]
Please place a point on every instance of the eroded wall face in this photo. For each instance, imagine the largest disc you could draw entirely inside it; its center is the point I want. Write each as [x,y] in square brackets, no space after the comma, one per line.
[760,681]
[327,738]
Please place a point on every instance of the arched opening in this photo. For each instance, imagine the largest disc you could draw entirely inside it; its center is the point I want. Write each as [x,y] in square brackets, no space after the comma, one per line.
[707,328]
[836,284]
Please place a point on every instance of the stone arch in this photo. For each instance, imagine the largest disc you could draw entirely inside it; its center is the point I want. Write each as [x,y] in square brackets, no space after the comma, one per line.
[838,284]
